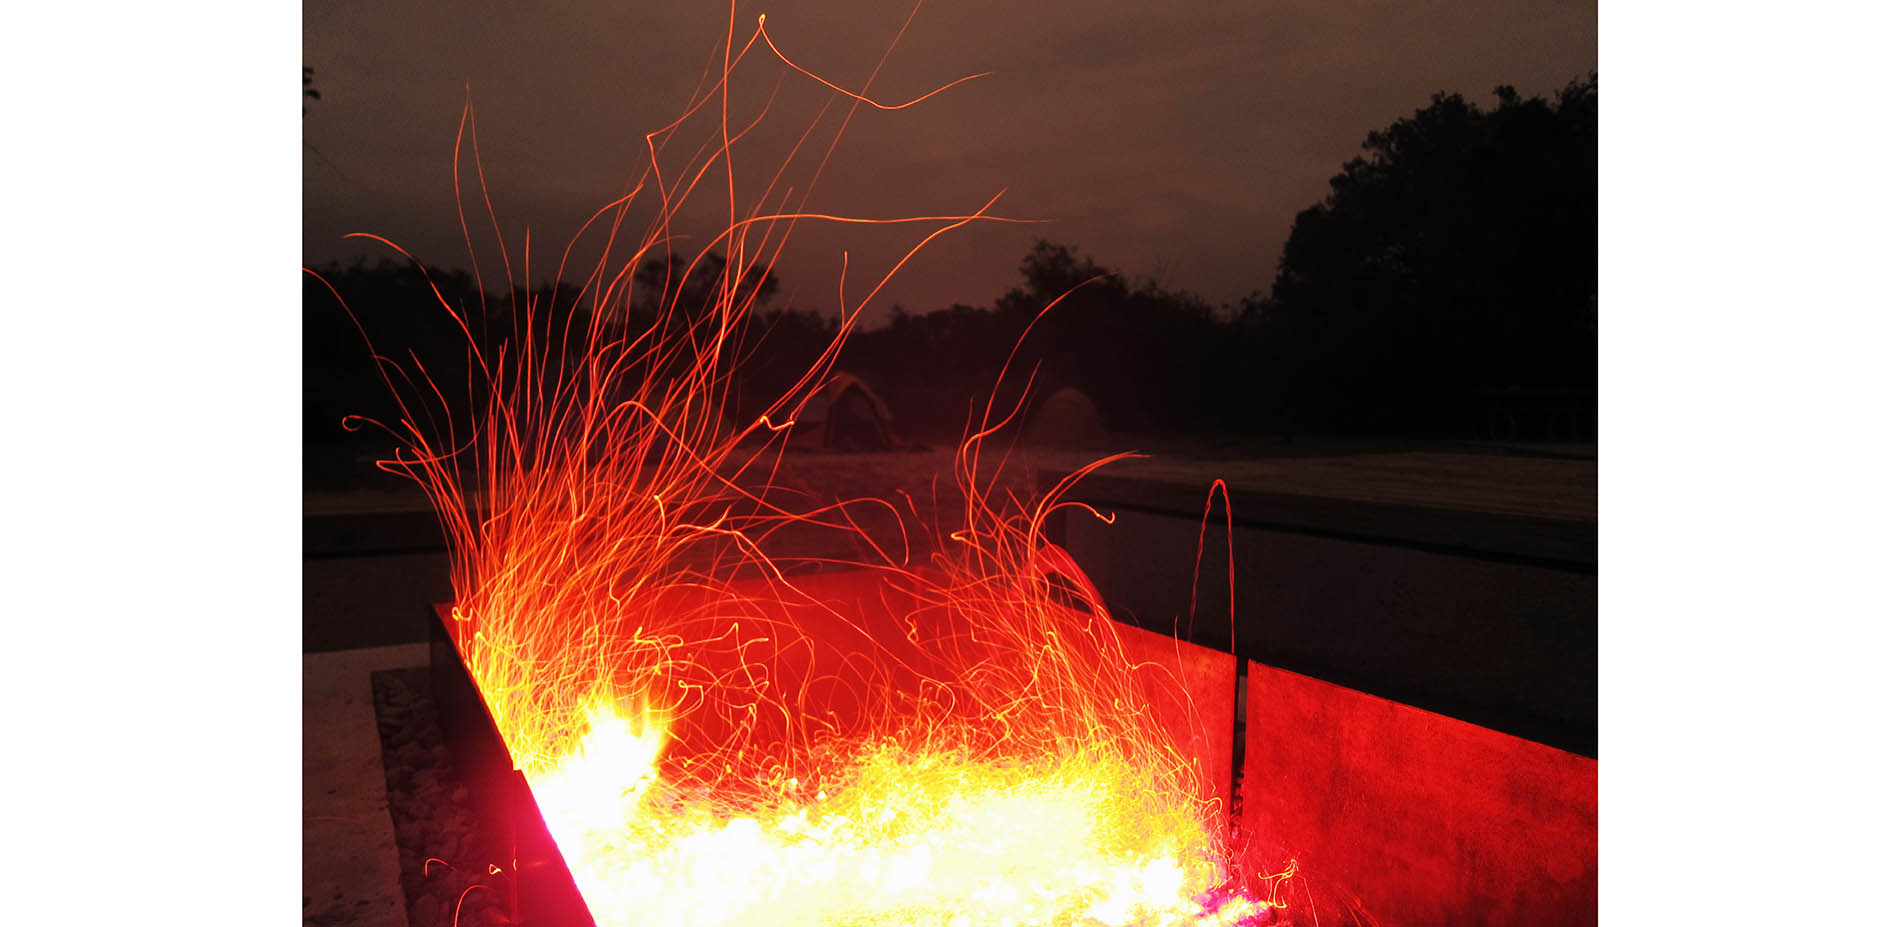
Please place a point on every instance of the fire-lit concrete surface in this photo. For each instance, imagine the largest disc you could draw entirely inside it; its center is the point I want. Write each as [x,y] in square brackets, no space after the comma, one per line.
[350,868]
[1192,690]
[1413,817]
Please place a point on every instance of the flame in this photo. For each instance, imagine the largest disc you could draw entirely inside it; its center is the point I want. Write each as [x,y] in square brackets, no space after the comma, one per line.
[905,838]
[973,752]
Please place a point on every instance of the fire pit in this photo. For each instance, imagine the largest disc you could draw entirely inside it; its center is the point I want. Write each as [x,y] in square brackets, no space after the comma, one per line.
[1397,815]
[845,618]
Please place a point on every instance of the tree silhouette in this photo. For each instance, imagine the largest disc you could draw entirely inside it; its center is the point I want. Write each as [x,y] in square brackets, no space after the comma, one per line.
[1151,359]
[1453,262]
[393,305]
[668,281]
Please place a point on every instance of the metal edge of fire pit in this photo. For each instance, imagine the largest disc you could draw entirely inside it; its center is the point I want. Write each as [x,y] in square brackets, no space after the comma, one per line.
[542,891]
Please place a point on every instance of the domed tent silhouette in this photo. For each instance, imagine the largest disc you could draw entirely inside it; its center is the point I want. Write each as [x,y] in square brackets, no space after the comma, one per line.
[844,415]
[1066,418]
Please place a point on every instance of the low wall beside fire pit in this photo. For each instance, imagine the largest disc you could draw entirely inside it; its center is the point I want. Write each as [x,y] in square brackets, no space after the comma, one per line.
[1464,584]
[1419,640]
[1413,817]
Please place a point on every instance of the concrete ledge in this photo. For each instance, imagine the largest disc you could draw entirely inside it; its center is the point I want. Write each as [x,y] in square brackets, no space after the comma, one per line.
[1460,598]
[1467,530]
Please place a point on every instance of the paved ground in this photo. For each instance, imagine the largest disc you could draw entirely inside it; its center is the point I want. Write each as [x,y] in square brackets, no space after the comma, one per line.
[350,869]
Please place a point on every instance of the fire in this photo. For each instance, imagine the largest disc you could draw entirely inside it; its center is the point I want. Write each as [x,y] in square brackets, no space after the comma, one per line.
[708,741]
[604,779]
[937,838]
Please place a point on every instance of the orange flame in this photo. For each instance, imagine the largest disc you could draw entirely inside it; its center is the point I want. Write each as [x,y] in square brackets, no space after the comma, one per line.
[711,741]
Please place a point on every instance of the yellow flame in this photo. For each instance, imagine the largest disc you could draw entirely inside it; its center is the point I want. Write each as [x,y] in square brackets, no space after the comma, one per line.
[938,839]
[603,780]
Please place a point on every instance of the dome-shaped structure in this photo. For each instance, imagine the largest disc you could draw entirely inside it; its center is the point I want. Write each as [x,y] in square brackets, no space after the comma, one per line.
[844,415]
[1066,418]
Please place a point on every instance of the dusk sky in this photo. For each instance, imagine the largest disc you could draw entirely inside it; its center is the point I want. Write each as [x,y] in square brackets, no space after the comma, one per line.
[1177,145]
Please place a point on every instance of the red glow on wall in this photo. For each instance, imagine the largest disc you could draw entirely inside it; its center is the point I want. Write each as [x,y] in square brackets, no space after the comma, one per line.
[1413,817]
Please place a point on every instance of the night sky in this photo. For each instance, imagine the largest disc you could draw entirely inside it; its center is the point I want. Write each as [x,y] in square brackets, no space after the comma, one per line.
[1176,145]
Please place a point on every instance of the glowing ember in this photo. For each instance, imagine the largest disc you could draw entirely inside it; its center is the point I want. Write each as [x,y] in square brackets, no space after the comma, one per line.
[710,744]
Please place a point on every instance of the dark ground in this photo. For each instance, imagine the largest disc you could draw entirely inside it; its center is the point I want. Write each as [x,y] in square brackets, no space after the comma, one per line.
[444,855]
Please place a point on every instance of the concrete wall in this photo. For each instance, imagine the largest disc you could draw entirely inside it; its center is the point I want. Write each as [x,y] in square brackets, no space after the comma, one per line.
[1420,703]
[1412,817]
[1471,632]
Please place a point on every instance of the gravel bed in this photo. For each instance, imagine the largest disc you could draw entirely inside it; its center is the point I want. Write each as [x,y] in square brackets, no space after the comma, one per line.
[435,830]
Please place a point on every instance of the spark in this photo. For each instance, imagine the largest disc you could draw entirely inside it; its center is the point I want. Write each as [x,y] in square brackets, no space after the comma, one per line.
[708,740]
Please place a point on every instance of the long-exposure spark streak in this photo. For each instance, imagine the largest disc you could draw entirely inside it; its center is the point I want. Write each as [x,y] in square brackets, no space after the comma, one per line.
[713,742]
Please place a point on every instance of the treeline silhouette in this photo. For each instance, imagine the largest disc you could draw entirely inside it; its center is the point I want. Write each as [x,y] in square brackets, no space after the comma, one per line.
[1446,286]
[1448,281]
[1152,360]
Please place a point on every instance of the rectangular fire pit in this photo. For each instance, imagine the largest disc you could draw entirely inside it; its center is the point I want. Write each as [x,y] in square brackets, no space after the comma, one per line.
[1409,816]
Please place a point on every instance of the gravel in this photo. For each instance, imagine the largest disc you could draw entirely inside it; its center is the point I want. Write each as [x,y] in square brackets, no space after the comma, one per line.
[435,828]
